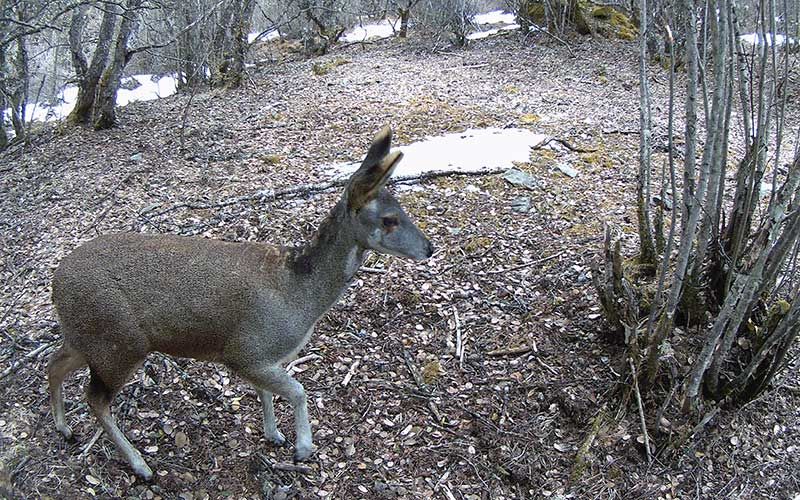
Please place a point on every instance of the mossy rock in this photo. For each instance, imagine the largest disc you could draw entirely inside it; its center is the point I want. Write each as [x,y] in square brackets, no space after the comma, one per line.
[610,22]
[533,13]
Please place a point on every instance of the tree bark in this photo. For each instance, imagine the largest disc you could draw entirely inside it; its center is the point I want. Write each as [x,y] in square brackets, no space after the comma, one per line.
[20,93]
[90,74]
[230,43]
[647,253]
[105,102]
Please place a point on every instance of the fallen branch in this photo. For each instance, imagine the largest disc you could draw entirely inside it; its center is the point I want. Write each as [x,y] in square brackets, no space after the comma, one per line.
[582,457]
[91,443]
[460,344]
[565,143]
[556,38]
[299,361]
[511,351]
[422,386]
[287,467]
[17,364]
[309,189]
[527,264]
[642,420]
[351,372]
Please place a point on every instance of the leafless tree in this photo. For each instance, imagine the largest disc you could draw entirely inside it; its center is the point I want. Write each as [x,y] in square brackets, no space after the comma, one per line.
[88,73]
[20,22]
[726,278]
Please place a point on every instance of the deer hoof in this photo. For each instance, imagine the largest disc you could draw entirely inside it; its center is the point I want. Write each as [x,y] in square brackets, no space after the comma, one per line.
[143,471]
[275,439]
[303,453]
[66,432]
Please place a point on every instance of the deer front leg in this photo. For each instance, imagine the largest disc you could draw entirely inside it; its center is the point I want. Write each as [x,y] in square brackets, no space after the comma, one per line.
[271,432]
[275,379]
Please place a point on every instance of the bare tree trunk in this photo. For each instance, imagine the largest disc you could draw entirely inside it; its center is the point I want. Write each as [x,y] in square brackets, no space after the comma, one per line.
[230,43]
[404,15]
[105,101]
[79,63]
[647,253]
[192,59]
[20,93]
[90,74]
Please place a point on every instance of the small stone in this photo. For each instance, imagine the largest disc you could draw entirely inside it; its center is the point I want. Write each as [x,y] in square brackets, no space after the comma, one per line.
[181,439]
[567,170]
[520,178]
[521,204]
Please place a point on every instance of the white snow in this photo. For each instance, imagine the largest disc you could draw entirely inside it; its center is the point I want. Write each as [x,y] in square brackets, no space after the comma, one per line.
[269,35]
[495,17]
[505,19]
[147,90]
[470,151]
[381,29]
[756,39]
[485,34]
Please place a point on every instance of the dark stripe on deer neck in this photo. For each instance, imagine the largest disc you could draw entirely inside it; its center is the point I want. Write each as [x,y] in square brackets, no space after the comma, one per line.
[329,251]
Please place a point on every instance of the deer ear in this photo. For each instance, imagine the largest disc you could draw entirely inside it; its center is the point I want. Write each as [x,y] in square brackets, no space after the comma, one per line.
[375,170]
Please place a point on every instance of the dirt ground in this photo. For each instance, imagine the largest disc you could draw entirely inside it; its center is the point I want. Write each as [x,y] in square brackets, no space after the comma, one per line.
[395,412]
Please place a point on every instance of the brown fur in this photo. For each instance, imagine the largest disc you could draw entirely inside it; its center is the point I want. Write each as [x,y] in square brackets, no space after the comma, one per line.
[250,306]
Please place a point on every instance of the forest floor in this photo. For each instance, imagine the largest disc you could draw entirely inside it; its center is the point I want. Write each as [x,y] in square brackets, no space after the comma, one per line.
[395,412]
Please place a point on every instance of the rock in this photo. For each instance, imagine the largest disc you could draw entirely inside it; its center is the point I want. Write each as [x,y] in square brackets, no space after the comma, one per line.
[521,204]
[520,178]
[567,170]
[137,157]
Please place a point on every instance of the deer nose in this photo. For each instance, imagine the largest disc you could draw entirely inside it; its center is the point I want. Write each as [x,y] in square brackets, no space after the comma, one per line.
[429,250]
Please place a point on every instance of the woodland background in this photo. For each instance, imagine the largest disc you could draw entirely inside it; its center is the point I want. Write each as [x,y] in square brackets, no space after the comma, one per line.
[618,321]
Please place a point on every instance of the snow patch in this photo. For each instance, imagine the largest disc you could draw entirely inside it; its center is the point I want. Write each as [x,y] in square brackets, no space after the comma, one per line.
[485,34]
[381,29]
[495,17]
[473,150]
[759,39]
[269,35]
[146,89]
[507,21]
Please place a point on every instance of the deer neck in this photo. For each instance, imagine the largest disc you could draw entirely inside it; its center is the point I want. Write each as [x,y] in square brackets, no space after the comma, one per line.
[326,264]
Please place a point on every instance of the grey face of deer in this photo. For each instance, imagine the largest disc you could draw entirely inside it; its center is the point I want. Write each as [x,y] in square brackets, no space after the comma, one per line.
[383,226]
[378,221]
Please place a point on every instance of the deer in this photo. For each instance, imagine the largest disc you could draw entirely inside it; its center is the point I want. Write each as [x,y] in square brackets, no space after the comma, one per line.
[250,306]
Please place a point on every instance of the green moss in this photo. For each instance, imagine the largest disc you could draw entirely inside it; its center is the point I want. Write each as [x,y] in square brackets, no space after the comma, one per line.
[625,28]
[605,12]
[610,22]
[534,13]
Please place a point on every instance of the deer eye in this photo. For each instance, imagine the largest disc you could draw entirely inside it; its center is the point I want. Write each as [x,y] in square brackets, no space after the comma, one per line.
[390,222]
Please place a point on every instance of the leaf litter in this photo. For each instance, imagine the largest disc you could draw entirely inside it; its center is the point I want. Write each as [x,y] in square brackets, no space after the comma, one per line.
[427,410]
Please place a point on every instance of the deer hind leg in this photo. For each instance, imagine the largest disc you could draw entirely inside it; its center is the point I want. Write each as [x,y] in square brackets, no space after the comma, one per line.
[274,379]
[62,363]
[102,388]
[271,432]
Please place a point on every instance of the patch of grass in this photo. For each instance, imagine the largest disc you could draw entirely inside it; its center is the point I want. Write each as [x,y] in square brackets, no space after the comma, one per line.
[271,159]
[323,68]
[598,158]
[530,118]
[477,244]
